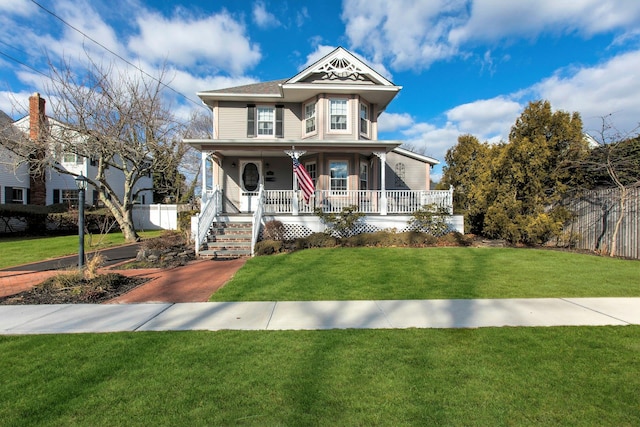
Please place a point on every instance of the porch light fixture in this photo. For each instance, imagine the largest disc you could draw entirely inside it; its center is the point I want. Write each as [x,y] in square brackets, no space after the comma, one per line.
[233,165]
[81,183]
[266,165]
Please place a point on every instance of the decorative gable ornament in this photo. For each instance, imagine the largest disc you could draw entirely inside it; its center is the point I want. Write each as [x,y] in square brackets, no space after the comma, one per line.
[340,64]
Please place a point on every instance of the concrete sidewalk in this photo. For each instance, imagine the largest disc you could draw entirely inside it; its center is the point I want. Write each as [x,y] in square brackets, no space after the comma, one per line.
[318,315]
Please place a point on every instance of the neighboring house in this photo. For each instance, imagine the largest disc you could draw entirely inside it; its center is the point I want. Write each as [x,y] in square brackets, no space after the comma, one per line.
[14,175]
[19,186]
[326,117]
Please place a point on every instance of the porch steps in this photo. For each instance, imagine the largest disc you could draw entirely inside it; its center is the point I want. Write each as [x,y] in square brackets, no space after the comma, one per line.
[227,240]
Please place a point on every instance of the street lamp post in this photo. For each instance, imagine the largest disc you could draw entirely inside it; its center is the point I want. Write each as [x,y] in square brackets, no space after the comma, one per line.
[81,183]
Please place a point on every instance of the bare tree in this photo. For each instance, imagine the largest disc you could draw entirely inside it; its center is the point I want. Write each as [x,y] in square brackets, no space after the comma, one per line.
[615,163]
[117,119]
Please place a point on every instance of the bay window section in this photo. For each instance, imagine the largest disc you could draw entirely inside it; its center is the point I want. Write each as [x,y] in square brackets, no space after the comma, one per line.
[339,174]
[338,114]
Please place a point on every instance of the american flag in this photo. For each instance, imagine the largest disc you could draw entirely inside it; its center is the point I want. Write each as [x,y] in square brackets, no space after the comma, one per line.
[304,180]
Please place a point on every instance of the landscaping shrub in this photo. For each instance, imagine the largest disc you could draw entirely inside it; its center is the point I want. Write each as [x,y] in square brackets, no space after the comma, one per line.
[430,219]
[343,224]
[184,220]
[273,230]
[269,247]
[316,240]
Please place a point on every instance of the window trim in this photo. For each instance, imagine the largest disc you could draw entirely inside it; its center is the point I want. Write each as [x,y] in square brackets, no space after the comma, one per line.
[366,177]
[366,121]
[329,116]
[258,121]
[313,172]
[331,179]
[78,159]
[314,117]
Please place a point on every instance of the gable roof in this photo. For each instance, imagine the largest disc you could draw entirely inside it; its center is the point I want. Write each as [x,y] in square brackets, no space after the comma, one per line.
[341,63]
[416,156]
[339,72]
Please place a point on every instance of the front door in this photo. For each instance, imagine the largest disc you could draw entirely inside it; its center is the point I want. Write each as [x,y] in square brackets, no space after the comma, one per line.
[250,178]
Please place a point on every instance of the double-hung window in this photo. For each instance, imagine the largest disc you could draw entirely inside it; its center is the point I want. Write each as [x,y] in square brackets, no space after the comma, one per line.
[339,174]
[71,158]
[310,117]
[266,120]
[364,119]
[364,176]
[338,114]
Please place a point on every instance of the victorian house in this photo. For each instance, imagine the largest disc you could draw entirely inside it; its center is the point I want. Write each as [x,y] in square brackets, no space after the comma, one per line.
[324,118]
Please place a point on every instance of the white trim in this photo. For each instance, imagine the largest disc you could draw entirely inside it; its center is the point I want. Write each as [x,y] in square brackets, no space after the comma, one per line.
[355,65]
[345,160]
[347,115]
[416,156]
[315,104]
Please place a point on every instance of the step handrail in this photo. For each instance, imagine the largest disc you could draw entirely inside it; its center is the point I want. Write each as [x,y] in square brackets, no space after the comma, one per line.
[211,209]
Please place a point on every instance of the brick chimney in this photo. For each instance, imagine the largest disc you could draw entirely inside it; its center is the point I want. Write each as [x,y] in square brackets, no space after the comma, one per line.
[38,134]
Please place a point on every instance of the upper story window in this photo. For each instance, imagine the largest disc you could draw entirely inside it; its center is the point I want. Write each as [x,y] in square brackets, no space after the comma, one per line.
[364,119]
[310,117]
[72,158]
[265,121]
[338,114]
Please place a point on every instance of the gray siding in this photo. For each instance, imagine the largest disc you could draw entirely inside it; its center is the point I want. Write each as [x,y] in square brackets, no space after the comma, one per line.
[413,176]
[232,120]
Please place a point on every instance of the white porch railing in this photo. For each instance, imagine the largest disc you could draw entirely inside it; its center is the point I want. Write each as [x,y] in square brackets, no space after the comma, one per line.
[211,207]
[368,201]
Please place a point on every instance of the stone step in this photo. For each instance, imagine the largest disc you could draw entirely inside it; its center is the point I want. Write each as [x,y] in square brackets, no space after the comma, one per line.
[224,253]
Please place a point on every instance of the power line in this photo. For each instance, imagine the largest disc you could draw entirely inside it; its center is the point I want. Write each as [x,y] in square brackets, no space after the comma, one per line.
[116,54]
[23,64]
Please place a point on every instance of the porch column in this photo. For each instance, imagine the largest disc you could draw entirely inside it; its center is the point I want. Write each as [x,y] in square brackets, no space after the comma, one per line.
[383,181]
[294,154]
[203,175]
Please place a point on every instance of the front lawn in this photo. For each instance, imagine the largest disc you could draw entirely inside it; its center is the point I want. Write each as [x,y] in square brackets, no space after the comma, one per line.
[430,273]
[579,376]
[24,250]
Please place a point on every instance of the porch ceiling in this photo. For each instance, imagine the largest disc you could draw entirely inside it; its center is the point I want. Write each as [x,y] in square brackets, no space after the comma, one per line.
[274,148]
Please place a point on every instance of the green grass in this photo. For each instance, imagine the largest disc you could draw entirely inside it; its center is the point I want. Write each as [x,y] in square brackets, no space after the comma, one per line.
[23,250]
[430,273]
[579,376]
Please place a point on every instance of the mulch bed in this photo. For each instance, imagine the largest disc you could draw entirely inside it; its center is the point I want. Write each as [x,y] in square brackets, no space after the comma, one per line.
[69,288]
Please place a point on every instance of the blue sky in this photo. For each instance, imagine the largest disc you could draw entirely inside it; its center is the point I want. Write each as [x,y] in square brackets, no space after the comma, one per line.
[465,66]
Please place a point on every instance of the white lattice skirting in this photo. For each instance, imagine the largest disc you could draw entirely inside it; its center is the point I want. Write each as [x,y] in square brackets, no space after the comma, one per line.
[303,226]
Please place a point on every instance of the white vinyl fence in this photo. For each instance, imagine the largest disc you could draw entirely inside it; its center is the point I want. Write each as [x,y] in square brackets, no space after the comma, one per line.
[155,217]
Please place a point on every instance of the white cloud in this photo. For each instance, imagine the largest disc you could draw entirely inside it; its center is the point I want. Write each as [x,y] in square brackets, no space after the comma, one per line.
[17,7]
[262,17]
[413,34]
[409,33]
[488,119]
[390,122]
[221,42]
[496,19]
[608,88]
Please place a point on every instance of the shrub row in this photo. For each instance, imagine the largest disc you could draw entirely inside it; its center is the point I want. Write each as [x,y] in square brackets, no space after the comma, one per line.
[377,239]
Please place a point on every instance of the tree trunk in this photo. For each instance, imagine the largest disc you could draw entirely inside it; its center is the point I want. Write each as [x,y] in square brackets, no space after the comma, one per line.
[616,229]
